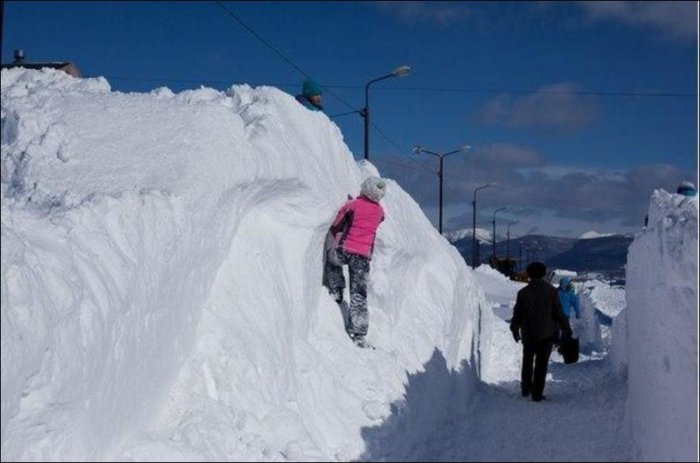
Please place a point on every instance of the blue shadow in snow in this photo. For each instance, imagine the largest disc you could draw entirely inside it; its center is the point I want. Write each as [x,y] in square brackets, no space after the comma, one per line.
[429,398]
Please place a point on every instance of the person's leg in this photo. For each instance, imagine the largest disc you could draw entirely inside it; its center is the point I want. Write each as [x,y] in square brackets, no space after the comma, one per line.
[526,371]
[359,316]
[543,351]
[334,279]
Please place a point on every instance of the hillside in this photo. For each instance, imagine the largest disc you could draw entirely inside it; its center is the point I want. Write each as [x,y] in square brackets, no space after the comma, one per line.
[606,255]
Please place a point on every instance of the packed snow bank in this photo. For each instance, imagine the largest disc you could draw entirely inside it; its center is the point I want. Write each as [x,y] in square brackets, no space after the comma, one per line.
[662,319]
[499,356]
[601,304]
[161,284]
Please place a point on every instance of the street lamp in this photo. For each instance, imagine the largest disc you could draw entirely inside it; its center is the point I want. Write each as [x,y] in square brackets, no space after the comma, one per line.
[508,239]
[494,229]
[419,149]
[520,255]
[474,223]
[400,71]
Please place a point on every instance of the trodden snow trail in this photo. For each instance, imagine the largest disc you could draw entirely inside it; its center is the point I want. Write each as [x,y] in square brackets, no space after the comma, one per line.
[580,419]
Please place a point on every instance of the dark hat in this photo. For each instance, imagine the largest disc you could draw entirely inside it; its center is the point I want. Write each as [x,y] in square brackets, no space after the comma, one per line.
[536,270]
[311,88]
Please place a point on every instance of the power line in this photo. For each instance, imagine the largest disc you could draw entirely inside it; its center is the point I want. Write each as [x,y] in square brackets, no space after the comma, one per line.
[399,148]
[176,81]
[276,51]
[261,39]
[522,192]
[380,131]
[398,164]
[548,92]
[423,89]
[356,111]
[291,63]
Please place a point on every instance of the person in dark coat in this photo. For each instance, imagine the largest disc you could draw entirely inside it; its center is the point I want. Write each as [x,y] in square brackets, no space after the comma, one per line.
[537,319]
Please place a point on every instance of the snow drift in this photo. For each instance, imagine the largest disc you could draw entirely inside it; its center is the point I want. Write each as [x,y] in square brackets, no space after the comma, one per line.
[661,322]
[601,305]
[161,283]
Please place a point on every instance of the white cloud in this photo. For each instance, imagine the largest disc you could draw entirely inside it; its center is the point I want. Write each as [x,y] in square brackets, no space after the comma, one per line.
[441,13]
[562,106]
[506,156]
[673,19]
[563,200]
[557,172]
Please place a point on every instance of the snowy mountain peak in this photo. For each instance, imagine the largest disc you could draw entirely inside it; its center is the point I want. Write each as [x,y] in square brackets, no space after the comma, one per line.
[593,234]
[482,235]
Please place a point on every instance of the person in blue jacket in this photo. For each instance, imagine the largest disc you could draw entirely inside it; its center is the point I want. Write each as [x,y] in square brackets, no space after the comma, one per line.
[568,297]
[687,188]
[310,95]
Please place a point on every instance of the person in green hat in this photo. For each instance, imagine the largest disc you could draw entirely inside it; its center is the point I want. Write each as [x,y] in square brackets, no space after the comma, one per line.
[310,95]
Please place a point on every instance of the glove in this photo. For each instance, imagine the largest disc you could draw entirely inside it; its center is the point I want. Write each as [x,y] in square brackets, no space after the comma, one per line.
[333,257]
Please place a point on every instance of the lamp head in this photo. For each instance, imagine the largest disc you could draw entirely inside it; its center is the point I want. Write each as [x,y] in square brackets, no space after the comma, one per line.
[401,71]
[417,149]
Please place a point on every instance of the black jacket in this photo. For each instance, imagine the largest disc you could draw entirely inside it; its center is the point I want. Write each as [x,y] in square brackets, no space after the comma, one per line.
[538,313]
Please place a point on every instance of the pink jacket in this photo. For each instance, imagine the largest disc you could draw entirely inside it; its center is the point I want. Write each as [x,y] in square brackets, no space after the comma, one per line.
[358,221]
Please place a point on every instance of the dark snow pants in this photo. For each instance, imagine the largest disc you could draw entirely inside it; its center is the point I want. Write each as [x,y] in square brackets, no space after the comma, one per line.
[358,267]
[539,352]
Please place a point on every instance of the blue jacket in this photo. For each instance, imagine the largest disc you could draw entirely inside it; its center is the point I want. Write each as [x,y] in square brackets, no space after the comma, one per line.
[568,298]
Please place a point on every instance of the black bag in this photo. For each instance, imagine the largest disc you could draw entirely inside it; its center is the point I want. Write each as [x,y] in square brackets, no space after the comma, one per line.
[568,348]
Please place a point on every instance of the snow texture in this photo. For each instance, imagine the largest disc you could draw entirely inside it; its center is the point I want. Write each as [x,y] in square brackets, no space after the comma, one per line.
[162,301]
[662,320]
[161,283]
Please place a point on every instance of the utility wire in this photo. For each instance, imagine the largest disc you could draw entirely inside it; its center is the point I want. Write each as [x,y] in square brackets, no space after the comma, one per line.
[523,192]
[276,51]
[549,92]
[398,164]
[399,148]
[291,63]
[357,111]
[176,81]
[423,89]
[261,39]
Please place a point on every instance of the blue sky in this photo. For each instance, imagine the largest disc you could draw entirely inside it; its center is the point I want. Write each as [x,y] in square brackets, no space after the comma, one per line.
[540,91]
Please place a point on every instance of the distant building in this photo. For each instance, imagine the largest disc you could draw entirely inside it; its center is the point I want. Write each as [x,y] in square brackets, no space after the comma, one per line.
[20,62]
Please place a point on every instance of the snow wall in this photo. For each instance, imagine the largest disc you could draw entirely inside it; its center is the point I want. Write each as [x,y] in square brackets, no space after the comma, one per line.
[161,282]
[661,322]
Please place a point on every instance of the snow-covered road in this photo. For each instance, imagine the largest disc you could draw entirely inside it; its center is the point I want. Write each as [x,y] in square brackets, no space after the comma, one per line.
[580,420]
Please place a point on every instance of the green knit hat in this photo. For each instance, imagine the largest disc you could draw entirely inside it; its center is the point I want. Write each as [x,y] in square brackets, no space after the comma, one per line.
[311,88]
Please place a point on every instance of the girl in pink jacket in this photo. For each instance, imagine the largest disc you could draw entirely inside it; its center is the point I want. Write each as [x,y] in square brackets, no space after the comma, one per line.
[354,230]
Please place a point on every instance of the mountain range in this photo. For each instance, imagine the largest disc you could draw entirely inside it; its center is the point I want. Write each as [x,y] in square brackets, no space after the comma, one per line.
[606,255]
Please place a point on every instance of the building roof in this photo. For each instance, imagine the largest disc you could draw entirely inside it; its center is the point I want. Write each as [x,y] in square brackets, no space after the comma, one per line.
[67,67]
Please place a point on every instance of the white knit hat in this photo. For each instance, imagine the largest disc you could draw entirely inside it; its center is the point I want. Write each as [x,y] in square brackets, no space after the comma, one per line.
[373,188]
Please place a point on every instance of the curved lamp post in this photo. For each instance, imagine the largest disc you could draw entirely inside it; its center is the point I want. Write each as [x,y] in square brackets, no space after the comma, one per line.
[474,223]
[508,239]
[494,230]
[400,71]
[419,149]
